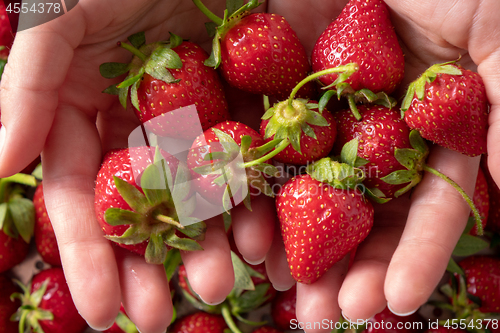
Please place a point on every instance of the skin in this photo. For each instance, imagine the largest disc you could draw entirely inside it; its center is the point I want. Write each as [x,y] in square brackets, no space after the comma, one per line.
[52,104]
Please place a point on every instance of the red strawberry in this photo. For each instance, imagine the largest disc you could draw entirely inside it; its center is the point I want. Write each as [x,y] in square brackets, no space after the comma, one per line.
[6,37]
[494,199]
[388,322]
[258,52]
[482,277]
[7,306]
[320,221]
[283,308]
[307,134]
[16,220]
[481,199]
[165,77]
[45,238]
[379,133]
[448,105]
[199,322]
[47,304]
[362,34]
[229,138]
[266,329]
[443,329]
[135,209]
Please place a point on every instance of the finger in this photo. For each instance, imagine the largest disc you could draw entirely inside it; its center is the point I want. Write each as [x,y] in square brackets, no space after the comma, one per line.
[29,89]
[276,264]
[317,305]
[437,217]
[210,272]
[253,230]
[145,292]
[71,160]
[365,279]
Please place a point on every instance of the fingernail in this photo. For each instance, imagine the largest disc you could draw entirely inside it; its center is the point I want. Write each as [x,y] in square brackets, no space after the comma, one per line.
[212,303]
[358,322]
[2,138]
[401,314]
[100,329]
[255,262]
[281,288]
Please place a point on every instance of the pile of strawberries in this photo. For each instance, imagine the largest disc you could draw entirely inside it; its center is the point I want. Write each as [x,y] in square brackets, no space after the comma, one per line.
[336,162]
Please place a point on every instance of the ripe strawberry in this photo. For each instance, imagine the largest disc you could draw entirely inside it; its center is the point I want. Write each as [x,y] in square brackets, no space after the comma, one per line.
[7,306]
[323,216]
[379,133]
[388,322]
[6,37]
[448,105]
[482,278]
[308,135]
[166,77]
[47,305]
[494,199]
[229,139]
[481,200]
[45,238]
[283,308]
[17,219]
[137,211]
[258,52]
[362,34]
[199,322]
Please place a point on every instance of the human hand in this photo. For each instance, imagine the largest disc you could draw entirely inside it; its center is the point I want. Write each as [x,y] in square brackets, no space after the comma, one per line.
[52,103]
[406,253]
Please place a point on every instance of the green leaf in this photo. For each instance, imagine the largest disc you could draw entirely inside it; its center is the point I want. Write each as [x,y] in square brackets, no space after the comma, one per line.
[402,177]
[156,251]
[410,93]
[3,214]
[408,157]
[211,28]
[251,299]
[227,220]
[246,141]
[110,70]
[471,222]
[36,296]
[376,195]
[185,244]
[122,95]
[131,236]
[349,152]
[453,267]
[468,245]
[161,59]
[117,216]
[134,98]
[269,113]
[130,80]
[227,141]
[195,231]
[154,187]
[294,138]
[417,142]
[132,196]
[315,118]
[38,172]
[175,41]
[22,212]
[233,5]
[215,56]
[242,279]
[3,62]
[137,40]
[323,101]
[172,261]
[308,131]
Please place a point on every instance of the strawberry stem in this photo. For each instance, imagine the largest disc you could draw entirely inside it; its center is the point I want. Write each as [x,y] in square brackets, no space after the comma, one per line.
[348,69]
[133,50]
[169,220]
[211,16]
[226,313]
[466,197]
[279,148]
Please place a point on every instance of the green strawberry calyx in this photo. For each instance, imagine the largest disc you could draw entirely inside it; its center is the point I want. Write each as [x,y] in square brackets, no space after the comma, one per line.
[289,119]
[414,160]
[417,87]
[157,212]
[245,296]
[345,172]
[234,12]
[17,213]
[154,59]
[253,167]
[29,312]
